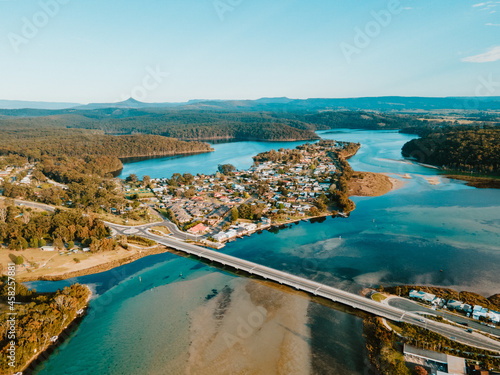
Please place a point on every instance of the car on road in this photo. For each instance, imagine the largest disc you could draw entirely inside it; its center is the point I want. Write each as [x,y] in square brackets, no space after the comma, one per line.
[469,330]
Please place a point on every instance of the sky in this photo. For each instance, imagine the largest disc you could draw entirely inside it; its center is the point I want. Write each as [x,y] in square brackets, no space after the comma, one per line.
[175,50]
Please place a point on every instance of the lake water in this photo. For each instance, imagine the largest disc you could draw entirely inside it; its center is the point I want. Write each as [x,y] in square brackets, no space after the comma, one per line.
[238,154]
[183,317]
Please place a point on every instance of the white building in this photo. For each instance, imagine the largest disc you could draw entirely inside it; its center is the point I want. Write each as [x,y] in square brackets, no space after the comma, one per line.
[479,311]
[221,236]
[427,297]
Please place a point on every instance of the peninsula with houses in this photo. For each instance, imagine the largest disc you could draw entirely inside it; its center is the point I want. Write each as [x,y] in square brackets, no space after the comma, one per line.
[282,186]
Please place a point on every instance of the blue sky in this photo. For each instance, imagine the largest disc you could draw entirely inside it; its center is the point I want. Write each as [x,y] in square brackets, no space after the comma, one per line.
[176,50]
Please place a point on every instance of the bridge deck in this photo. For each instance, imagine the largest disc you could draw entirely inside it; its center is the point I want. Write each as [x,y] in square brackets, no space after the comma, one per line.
[331,293]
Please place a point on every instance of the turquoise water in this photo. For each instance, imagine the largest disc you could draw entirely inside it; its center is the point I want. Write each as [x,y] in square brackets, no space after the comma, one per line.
[238,154]
[445,234]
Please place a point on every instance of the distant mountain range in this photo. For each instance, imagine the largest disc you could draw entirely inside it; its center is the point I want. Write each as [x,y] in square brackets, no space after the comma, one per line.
[19,104]
[385,103]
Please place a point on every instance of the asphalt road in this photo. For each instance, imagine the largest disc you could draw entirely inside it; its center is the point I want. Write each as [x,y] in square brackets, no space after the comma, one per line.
[407,305]
[337,295]
[33,205]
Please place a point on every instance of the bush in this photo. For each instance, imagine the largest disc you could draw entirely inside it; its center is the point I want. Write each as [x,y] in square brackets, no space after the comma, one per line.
[19,260]
[140,240]
[34,243]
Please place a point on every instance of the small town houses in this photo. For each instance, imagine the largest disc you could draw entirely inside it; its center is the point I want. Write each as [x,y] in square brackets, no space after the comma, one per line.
[476,312]
[275,186]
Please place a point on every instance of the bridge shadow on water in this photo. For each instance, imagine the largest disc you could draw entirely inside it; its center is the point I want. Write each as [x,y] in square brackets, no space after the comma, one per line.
[275,285]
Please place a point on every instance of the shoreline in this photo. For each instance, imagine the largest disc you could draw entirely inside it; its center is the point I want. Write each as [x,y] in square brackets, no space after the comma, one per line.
[141,253]
[248,139]
[128,159]
[476,181]
[99,268]
[36,359]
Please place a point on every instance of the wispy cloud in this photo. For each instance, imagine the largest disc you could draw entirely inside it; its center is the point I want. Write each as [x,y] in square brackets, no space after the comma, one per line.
[492,24]
[488,5]
[493,54]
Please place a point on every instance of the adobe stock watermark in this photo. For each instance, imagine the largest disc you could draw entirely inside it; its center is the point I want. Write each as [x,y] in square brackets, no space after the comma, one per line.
[485,87]
[150,82]
[31,26]
[223,6]
[246,327]
[116,286]
[364,36]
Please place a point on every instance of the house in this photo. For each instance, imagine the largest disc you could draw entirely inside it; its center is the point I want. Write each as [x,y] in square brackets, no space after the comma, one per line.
[479,311]
[454,305]
[440,362]
[476,370]
[494,316]
[467,308]
[26,180]
[459,306]
[426,297]
[251,227]
[231,233]
[241,230]
[221,236]
[198,229]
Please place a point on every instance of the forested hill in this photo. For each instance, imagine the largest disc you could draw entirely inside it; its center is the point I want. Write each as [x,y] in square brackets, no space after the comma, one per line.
[199,125]
[184,125]
[474,150]
[34,143]
[210,125]
[101,152]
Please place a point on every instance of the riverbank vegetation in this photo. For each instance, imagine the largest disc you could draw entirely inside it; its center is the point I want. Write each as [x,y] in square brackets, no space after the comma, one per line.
[465,149]
[429,340]
[383,352]
[385,347]
[21,227]
[40,320]
[470,298]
